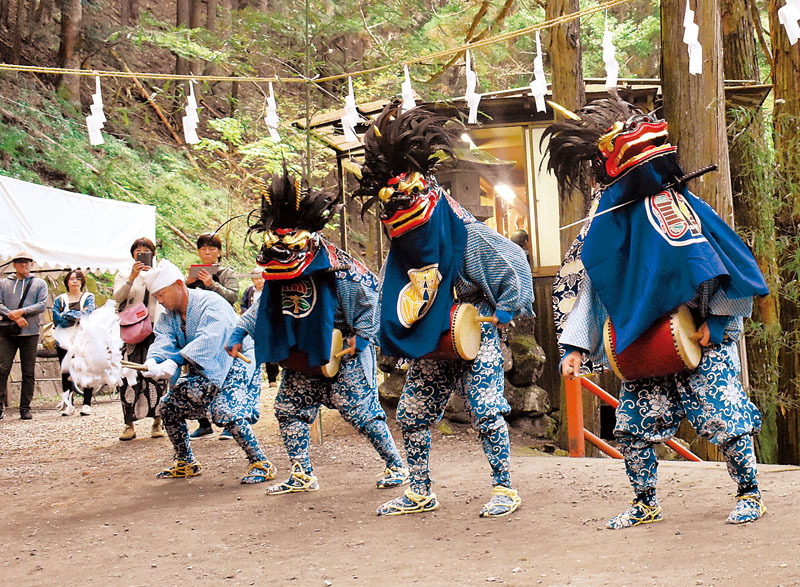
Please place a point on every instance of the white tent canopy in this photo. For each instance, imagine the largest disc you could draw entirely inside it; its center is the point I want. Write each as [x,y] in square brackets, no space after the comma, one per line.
[64,229]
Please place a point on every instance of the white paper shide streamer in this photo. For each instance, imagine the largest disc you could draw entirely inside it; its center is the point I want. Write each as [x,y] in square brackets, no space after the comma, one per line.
[350,118]
[539,83]
[690,37]
[789,17]
[408,93]
[472,97]
[190,119]
[271,117]
[96,120]
[94,350]
[610,59]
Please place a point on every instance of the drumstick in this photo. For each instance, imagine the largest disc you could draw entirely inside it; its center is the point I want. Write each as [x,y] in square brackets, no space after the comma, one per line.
[242,357]
[346,351]
[134,366]
[485,319]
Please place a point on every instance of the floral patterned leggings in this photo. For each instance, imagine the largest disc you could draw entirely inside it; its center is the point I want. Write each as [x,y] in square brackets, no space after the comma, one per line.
[710,397]
[350,393]
[429,385]
[235,406]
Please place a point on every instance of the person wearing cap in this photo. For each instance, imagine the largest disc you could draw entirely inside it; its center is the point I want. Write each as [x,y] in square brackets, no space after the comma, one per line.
[22,299]
[192,332]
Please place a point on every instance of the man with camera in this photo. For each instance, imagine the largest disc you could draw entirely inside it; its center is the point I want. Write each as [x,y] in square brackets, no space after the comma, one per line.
[22,299]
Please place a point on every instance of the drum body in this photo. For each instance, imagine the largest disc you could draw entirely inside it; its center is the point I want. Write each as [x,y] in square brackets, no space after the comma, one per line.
[663,349]
[463,340]
[298,360]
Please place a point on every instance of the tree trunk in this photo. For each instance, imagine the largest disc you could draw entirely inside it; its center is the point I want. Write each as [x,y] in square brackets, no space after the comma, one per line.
[786,136]
[44,11]
[211,16]
[754,212]
[16,48]
[182,16]
[195,22]
[694,105]
[71,22]
[564,52]
[4,9]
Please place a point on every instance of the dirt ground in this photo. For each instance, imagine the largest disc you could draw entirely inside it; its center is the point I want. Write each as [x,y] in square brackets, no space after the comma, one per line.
[82,508]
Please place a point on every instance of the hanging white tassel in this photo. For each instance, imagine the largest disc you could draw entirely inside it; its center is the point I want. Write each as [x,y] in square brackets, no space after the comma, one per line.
[190,119]
[350,118]
[610,59]
[539,83]
[472,97]
[690,37]
[271,116]
[96,120]
[408,93]
[789,17]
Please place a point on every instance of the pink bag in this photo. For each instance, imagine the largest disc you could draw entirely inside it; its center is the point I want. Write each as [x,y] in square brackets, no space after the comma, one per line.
[134,324]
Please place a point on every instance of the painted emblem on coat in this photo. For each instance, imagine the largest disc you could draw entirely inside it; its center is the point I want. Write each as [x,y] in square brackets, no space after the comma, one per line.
[673,217]
[298,298]
[417,295]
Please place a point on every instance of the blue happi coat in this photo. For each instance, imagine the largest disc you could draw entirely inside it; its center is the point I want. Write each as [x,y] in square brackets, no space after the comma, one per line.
[209,321]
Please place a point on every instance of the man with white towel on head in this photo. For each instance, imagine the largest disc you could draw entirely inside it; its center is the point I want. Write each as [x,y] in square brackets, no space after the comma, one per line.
[192,333]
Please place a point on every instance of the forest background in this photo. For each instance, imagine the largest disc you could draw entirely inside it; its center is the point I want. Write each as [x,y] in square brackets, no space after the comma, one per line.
[310,46]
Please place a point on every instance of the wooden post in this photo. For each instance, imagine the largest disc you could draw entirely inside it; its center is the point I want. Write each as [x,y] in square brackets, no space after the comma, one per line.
[316,429]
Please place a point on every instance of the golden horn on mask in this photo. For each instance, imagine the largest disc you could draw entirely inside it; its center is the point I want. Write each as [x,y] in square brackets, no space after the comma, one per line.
[377,132]
[565,112]
[298,190]
[262,188]
[385,194]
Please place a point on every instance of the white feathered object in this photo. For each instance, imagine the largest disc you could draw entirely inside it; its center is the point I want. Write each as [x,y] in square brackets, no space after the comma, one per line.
[95,352]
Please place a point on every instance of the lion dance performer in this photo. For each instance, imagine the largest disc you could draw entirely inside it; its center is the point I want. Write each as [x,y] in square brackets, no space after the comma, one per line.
[437,250]
[660,248]
[192,332]
[311,288]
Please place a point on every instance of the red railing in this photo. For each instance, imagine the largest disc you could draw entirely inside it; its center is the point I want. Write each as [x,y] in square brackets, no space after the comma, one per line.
[578,435]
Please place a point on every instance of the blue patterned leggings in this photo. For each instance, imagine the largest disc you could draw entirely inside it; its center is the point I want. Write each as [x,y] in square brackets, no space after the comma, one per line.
[429,385]
[235,406]
[350,393]
[710,397]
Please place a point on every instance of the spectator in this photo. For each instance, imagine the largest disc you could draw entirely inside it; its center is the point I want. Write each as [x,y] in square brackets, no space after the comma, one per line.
[140,400]
[250,297]
[67,311]
[224,282]
[253,292]
[520,237]
[22,299]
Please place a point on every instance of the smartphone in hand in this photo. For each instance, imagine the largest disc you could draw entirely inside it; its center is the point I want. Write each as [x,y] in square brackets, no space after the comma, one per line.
[145,258]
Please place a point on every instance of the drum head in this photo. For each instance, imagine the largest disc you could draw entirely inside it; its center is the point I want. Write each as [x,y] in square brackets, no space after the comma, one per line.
[683,327]
[466,331]
[332,367]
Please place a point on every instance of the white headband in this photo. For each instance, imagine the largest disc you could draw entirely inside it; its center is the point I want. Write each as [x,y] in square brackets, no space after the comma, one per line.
[162,276]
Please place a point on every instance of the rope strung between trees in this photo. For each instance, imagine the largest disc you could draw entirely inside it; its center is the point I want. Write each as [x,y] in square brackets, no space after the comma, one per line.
[304,80]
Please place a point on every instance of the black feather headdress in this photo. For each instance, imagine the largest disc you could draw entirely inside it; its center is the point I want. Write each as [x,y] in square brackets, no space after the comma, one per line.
[401,142]
[289,202]
[572,143]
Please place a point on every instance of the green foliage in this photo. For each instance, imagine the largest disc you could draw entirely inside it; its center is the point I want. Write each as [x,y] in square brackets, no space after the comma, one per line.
[637,41]
[165,178]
